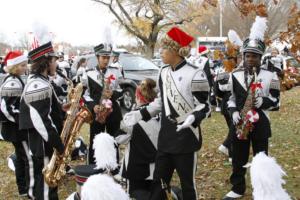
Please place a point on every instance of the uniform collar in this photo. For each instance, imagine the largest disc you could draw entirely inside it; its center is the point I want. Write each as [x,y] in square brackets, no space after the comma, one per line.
[178,66]
[102,70]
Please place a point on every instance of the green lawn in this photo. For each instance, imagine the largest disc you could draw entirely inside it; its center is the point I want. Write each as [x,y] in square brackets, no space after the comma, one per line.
[213,171]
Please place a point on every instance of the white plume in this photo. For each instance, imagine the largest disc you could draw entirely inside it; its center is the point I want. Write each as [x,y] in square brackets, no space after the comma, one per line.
[258,28]
[234,38]
[102,187]
[105,152]
[266,179]
[41,32]
[105,36]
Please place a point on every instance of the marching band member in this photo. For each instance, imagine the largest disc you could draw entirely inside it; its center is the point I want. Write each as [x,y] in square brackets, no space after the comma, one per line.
[232,61]
[265,94]
[115,61]
[138,162]
[63,65]
[183,102]
[40,117]
[59,82]
[10,93]
[95,83]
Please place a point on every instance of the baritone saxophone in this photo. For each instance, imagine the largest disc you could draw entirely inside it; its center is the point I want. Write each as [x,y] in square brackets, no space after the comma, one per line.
[77,115]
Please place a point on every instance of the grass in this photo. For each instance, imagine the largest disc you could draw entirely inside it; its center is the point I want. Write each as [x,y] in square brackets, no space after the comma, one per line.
[213,171]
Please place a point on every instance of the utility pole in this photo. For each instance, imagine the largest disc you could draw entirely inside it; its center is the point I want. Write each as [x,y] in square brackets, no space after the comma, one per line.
[221,18]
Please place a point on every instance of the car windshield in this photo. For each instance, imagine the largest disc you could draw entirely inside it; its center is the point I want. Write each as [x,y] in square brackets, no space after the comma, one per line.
[292,62]
[136,63]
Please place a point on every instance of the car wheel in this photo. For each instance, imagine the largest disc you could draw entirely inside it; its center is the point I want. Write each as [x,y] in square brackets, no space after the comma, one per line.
[128,98]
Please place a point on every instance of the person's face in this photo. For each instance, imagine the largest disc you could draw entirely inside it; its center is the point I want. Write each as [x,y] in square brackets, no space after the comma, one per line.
[103,61]
[61,58]
[52,65]
[167,56]
[21,69]
[252,60]
[274,53]
[84,64]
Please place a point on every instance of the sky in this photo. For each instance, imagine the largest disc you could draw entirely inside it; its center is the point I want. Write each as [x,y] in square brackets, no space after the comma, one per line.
[79,22]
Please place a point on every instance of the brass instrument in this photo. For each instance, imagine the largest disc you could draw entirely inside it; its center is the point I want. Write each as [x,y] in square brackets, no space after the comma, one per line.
[105,104]
[246,125]
[77,115]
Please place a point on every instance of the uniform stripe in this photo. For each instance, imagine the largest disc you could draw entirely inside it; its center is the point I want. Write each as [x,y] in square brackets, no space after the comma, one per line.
[46,187]
[5,111]
[194,173]
[38,123]
[31,170]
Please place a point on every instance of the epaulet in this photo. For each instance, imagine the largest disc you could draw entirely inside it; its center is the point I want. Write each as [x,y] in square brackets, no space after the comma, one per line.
[193,66]
[37,89]
[11,87]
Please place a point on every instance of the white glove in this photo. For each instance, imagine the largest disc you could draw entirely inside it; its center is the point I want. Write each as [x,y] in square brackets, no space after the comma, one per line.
[188,122]
[236,117]
[258,102]
[132,118]
[224,87]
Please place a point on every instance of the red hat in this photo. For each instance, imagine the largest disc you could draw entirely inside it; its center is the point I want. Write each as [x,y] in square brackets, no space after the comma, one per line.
[182,38]
[178,41]
[14,58]
[202,50]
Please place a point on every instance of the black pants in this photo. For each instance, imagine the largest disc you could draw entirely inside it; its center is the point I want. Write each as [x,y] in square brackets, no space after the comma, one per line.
[228,141]
[240,156]
[109,127]
[185,165]
[21,167]
[38,188]
[139,189]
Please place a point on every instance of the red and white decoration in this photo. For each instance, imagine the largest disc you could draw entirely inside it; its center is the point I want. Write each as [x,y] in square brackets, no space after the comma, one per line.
[202,50]
[252,116]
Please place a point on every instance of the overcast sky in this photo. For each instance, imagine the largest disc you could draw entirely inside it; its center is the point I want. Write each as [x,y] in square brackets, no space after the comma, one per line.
[75,21]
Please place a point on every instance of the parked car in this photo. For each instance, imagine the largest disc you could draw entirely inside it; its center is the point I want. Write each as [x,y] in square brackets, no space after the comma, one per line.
[158,62]
[135,68]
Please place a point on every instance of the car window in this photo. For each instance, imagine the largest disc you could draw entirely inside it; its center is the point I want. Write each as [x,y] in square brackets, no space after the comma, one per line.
[136,63]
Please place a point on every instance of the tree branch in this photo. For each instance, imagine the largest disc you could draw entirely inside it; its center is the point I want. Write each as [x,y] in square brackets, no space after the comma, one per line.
[189,19]
[124,12]
[99,1]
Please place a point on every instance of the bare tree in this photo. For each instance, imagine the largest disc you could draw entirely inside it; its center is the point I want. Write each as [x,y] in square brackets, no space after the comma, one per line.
[145,19]
[24,41]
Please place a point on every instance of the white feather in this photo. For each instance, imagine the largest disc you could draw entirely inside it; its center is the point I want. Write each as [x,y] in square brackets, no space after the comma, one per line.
[41,32]
[105,152]
[102,187]
[258,28]
[234,38]
[266,179]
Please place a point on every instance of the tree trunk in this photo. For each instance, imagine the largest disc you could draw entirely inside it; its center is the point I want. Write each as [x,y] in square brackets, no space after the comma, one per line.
[149,49]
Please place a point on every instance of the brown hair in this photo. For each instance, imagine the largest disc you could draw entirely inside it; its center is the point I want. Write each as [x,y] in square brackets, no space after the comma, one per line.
[147,89]
[40,65]
[82,60]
